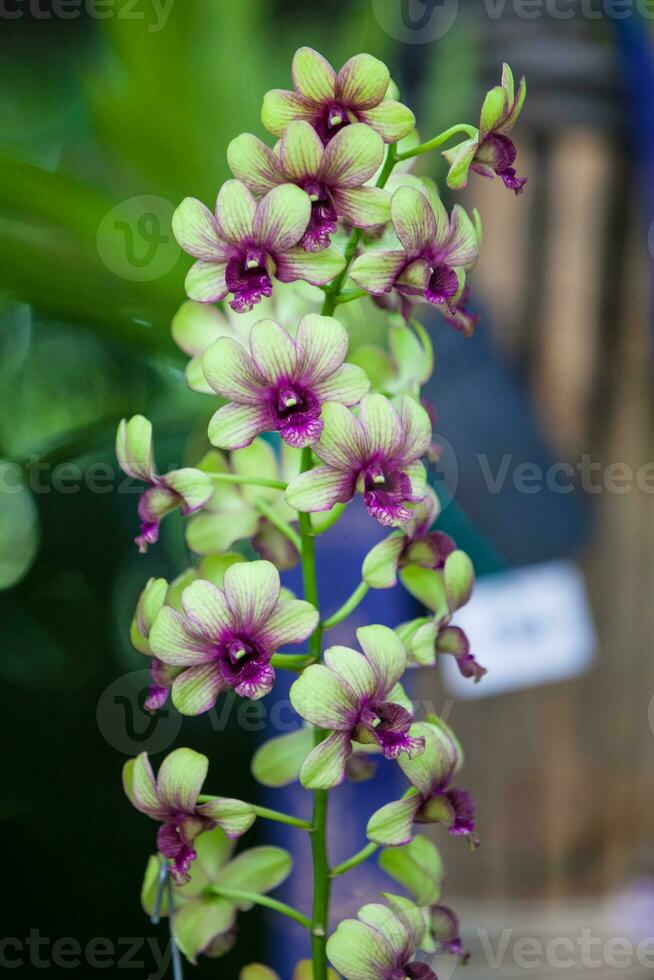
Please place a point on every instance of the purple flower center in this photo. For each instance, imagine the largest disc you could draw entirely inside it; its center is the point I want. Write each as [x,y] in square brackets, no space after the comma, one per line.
[389,723]
[323,221]
[443,284]
[247,278]
[295,412]
[241,659]
[173,844]
[385,493]
[331,120]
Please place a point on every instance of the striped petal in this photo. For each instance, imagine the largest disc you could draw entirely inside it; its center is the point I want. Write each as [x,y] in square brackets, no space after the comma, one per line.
[193,486]
[140,787]
[254,163]
[313,76]
[463,246]
[325,766]
[196,231]
[230,371]
[348,385]
[354,668]
[205,605]
[379,569]
[494,110]
[235,210]
[134,448]
[459,158]
[363,207]
[321,343]
[359,952]
[301,151]
[281,107]
[281,218]
[232,816]
[252,591]
[362,82]
[273,352]
[376,272]
[234,426]
[436,765]
[381,425]
[414,278]
[418,478]
[353,155]
[173,640]
[316,267]
[320,489]
[215,533]
[386,654]
[413,220]
[392,825]
[180,779]
[342,443]
[291,622]
[416,429]
[323,698]
[195,691]
[205,282]
[392,120]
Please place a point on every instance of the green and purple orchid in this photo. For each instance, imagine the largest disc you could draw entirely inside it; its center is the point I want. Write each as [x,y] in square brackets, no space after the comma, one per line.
[333,176]
[281,384]
[432,798]
[246,244]
[492,152]
[302,316]
[376,454]
[360,92]
[359,698]
[172,799]
[187,489]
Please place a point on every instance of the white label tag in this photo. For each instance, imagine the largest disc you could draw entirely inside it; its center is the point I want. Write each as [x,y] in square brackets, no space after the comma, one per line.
[528,626]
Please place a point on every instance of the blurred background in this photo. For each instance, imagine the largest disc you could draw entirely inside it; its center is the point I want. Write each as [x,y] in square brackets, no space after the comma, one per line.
[110,113]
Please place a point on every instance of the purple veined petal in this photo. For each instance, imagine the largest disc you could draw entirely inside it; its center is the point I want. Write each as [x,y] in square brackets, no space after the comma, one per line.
[256,682]
[254,164]
[414,280]
[460,159]
[301,151]
[235,209]
[363,207]
[193,487]
[281,218]
[317,268]
[273,352]
[423,517]
[416,430]
[280,107]
[494,110]
[231,372]
[292,621]
[379,569]
[353,155]
[347,385]
[413,220]
[392,825]
[313,76]
[325,766]
[417,477]
[232,816]
[419,971]
[381,426]
[205,282]
[134,448]
[140,787]
[206,606]
[180,779]
[392,120]
[359,952]
[175,641]
[252,592]
[362,82]
[343,443]
[324,698]
[403,930]
[435,767]
[321,343]
[385,653]
[196,689]
[319,489]
[155,503]
[376,272]
[355,669]
[182,854]
[463,246]
[197,232]
[235,426]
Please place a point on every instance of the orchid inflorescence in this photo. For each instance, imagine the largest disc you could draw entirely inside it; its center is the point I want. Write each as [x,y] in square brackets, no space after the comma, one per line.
[321,219]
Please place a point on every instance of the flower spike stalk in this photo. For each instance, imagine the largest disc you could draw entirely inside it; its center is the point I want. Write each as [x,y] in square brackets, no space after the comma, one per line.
[304,424]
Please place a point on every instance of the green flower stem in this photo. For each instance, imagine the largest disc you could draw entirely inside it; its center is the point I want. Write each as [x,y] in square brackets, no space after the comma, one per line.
[392,157]
[349,296]
[234,894]
[253,481]
[265,814]
[282,526]
[336,513]
[291,661]
[354,861]
[347,607]
[321,880]
[437,141]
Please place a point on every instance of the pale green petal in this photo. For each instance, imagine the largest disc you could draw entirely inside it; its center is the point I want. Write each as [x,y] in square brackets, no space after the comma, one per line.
[235,210]
[206,606]
[322,346]
[209,533]
[342,443]
[346,385]
[257,870]
[354,668]
[362,82]
[258,459]
[140,785]
[359,952]
[494,109]
[205,282]
[230,371]
[427,586]
[195,691]
[316,267]
[319,489]
[313,76]
[351,157]
[422,649]
[436,765]
[197,233]
[195,326]
[292,621]
[463,247]
[325,766]
[416,429]
[386,653]
[149,603]
[398,931]
[392,120]
[150,888]
[381,425]
[322,698]
[281,107]
[301,151]
[376,272]
[273,351]
[232,816]
[252,591]
[198,922]
[281,218]
[254,163]
[459,158]
[180,778]
[459,576]
[418,867]
[134,448]
[195,378]
[213,567]
[174,642]
[278,762]
[379,569]
[234,426]
[418,477]
[363,207]
[392,825]
[413,220]
[193,486]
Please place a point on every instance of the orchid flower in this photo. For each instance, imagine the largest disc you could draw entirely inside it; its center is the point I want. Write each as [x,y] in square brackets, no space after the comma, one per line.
[203,922]
[381,942]
[330,101]
[414,544]
[436,252]
[377,454]
[443,592]
[247,244]
[492,152]
[445,931]
[359,698]
[189,489]
[232,514]
[433,799]
[225,638]
[332,176]
[281,384]
[172,799]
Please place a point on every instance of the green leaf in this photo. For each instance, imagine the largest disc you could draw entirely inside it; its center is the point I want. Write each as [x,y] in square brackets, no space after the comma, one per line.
[278,762]
[418,867]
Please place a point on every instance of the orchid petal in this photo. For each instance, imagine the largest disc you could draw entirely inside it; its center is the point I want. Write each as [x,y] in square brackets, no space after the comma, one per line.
[230,371]
[348,385]
[324,698]
[342,443]
[257,870]
[354,668]
[195,326]
[278,762]
[376,272]
[494,110]
[428,587]
[436,765]
[325,766]
[381,425]
[363,207]
[134,448]
[232,816]
[317,268]
[173,641]
[141,787]
[281,107]
[252,591]
[321,343]
[180,779]
[205,282]
[235,210]
[392,120]
[422,643]
[463,246]
[273,352]
[392,825]
[313,76]
[254,163]
[416,428]
[359,952]
[402,937]
[235,426]
[206,606]
[319,489]
[414,278]
[195,691]
[413,220]
[379,569]
[193,486]
[459,577]
[460,158]
[301,151]
[281,218]
[417,475]
[196,231]
[386,654]
[362,82]
[353,155]
[291,622]
[198,923]
[215,533]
